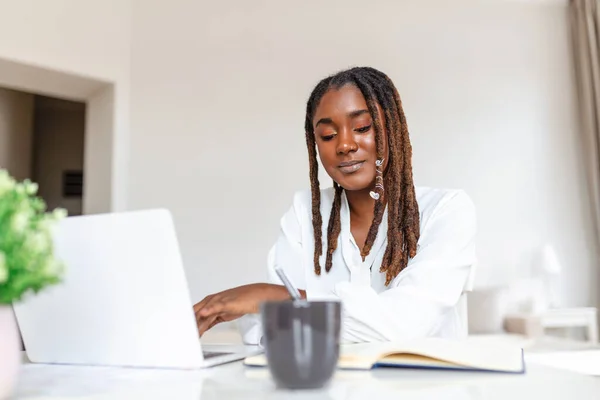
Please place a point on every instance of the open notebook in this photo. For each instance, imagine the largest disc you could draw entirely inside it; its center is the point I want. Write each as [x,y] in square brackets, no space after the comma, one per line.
[430,353]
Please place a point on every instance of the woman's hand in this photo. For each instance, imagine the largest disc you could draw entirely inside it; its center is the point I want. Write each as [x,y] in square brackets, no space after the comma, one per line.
[234,303]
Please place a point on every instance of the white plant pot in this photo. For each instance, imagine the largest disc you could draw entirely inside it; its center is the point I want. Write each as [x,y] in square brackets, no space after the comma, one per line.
[10,351]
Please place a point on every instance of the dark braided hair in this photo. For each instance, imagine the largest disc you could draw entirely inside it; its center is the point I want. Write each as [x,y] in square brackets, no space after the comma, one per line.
[403,210]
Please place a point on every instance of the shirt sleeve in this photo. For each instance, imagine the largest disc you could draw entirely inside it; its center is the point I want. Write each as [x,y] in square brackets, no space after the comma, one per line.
[287,254]
[430,286]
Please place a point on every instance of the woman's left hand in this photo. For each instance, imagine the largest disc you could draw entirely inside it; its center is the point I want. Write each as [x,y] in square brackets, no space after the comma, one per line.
[234,303]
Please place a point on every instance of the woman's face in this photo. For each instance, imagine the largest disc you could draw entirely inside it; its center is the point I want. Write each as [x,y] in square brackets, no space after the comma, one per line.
[345,138]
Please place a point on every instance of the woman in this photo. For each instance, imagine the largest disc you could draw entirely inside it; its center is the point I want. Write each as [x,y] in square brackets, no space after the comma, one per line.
[398,258]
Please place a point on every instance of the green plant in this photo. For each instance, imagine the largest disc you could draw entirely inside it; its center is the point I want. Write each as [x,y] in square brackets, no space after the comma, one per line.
[27,259]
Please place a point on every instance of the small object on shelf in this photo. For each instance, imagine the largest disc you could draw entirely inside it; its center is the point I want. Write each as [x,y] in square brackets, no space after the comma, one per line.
[534,325]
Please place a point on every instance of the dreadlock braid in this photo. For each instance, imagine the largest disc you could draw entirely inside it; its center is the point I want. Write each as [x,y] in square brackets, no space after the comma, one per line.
[410,210]
[403,211]
[392,181]
[316,199]
[334,228]
[317,93]
[366,87]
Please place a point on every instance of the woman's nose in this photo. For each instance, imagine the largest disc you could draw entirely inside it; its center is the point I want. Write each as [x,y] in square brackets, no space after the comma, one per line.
[346,143]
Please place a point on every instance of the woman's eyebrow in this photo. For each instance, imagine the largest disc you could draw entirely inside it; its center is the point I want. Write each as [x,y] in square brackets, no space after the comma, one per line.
[357,113]
[352,114]
[324,121]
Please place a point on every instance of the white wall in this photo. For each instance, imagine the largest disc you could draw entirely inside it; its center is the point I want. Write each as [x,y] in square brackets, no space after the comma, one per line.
[85,39]
[218,93]
[218,100]
[16,121]
[104,169]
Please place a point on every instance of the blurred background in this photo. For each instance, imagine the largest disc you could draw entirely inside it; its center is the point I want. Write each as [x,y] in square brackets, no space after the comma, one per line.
[198,106]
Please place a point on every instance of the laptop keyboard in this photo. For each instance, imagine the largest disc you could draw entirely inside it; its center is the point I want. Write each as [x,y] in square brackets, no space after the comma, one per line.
[212,354]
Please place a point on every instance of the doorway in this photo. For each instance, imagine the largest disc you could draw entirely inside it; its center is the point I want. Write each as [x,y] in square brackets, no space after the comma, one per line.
[58,152]
[42,139]
[84,180]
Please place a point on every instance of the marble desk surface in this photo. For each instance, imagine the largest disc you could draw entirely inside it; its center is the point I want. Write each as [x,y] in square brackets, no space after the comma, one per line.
[235,381]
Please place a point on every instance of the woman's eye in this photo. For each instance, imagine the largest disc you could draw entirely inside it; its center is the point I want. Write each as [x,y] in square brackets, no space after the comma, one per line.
[326,137]
[363,129]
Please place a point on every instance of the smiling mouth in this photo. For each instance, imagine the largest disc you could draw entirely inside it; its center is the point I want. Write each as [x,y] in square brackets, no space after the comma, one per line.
[350,166]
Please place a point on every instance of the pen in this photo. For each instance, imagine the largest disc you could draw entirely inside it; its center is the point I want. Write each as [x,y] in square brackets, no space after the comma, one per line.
[288,285]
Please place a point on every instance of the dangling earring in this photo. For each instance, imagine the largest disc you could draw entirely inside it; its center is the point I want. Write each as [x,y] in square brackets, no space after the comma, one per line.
[378,180]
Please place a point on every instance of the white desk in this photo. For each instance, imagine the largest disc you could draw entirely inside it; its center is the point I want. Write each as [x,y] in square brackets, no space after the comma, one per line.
[584,362]
[234,381]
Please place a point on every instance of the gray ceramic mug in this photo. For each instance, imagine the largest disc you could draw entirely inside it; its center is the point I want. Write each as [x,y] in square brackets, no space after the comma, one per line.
[301,341]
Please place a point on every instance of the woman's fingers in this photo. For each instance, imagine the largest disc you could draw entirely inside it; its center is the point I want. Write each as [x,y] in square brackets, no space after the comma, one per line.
[228,305]
[211,312]
[205,324]
[237,301]
[213,304]
[197,310]
[200,305]
[208,312]
[219,319]
[217,306]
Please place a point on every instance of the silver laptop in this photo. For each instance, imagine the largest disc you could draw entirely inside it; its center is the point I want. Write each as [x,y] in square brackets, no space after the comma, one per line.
[123,302]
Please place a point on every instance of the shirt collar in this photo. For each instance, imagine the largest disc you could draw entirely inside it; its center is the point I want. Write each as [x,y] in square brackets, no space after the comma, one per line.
[348,245]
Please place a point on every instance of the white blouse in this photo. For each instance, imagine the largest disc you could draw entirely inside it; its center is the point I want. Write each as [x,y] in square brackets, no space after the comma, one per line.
[425,299]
